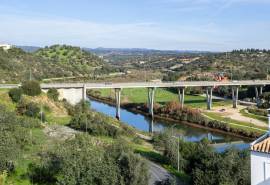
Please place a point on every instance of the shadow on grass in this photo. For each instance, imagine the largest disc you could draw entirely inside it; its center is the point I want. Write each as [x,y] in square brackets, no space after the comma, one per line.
[152,156]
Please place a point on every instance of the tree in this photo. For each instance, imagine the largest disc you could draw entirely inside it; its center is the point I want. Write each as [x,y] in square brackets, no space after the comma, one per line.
[15,94]
[13,138]
[31,88]
[53,94]
[78,161]
[30,109]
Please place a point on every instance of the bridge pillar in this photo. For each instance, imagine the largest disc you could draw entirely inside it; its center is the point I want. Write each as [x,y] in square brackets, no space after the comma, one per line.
[84,95]
[181,95]
[261,90]
[117,102]
[151,95]
[257,95]
[151,126]
[235,96]
[209,91]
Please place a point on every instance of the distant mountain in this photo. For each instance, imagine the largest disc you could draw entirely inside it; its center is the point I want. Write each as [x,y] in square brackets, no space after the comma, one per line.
[29,49]
[139,51]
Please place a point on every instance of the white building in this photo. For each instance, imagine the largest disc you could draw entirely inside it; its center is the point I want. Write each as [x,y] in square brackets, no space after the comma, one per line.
[5,46]
[260,161]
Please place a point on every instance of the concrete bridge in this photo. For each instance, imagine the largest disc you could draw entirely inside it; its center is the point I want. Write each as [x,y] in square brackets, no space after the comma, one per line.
[75,92]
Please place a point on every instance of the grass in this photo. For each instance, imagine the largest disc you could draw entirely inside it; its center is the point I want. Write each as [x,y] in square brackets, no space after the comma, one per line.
[233,122]
[6,101]
[254,116]
[59,120]
[28,156]
[160,159]
[162,96]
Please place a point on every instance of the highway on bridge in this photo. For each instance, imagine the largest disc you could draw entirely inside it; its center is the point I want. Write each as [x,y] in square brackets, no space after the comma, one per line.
[75,92]
[109,85]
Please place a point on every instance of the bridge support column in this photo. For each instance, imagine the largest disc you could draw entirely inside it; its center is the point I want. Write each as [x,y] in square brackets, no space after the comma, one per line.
[257,95]
[261,90]
[84,95]
[235,96]
[151,126]
[151,95]
[118,102]
[181,95]
[209,91]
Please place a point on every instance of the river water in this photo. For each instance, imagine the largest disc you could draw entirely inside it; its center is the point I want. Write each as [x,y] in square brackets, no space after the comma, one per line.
[188,132]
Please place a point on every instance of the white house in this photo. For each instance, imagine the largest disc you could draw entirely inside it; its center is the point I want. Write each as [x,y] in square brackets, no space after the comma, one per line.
[5,46]
[260,161]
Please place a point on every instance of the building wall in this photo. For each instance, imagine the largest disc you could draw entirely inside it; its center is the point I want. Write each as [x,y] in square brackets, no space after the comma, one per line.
[260,168]
[5,46]
[72,95]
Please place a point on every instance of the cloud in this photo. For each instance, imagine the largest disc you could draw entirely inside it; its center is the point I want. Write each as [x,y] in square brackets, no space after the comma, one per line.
[47,31]
[41,30]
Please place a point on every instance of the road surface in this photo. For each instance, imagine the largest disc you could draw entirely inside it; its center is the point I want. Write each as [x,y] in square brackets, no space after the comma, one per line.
[110,85]
[158,174]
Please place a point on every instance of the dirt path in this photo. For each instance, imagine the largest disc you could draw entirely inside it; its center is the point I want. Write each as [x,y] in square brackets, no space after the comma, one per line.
[229,112]
[60,132]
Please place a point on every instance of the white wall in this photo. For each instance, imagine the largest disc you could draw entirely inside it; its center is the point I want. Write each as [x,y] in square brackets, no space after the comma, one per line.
[72,95]
[260,168]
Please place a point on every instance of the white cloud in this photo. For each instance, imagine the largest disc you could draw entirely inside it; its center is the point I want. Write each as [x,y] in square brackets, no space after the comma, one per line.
[40,30]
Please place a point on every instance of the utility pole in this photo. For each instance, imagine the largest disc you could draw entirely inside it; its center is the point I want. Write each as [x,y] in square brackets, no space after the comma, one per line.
[41,114]
[231,73]
[178,147]
[178,153]
[30,75]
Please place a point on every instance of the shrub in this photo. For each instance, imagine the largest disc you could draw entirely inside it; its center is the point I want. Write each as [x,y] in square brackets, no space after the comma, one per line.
[93,124]
[13,138]
[29,109]
[53,94]
[137,140]
[15,94]
[31,88]
[94,165]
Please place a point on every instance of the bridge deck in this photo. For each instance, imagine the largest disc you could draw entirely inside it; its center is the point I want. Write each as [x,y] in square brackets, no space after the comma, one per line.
[109,85]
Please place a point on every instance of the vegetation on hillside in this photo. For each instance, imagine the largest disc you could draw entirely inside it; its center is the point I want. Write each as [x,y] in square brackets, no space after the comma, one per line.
[236,65]
[202,163]
[50,62]
[29,156]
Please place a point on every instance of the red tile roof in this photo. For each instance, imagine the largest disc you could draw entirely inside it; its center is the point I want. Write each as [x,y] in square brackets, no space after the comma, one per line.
[262,146]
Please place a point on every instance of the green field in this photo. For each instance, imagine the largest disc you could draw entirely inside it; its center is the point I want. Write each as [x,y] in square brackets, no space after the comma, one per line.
[235,123]
[254,116]
[162,96]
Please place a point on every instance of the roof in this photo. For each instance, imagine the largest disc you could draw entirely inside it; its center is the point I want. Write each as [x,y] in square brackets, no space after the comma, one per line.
[262,144]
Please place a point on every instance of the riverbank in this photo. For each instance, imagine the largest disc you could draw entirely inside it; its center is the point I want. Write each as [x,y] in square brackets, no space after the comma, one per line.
[136,108]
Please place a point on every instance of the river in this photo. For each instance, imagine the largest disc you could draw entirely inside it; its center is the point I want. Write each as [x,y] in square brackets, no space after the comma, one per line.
[188,132]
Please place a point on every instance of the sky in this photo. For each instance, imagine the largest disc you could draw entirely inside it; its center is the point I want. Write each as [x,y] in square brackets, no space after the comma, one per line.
[208,25]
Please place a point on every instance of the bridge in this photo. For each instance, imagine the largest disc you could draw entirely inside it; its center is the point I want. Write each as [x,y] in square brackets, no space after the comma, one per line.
[75,92]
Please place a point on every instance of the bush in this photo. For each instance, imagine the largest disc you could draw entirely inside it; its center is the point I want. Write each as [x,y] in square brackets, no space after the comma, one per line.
[29,109]
[13,138]
[94,165]
[256,111]
[94,124]
[31,88]
[15,94]
[53,94]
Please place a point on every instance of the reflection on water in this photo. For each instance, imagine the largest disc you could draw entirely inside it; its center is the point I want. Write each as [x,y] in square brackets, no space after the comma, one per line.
[189,133]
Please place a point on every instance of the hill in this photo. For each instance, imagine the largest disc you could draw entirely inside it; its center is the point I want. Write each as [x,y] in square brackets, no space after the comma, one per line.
[49,62]
[29,49]
[236,65]
[69,55]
